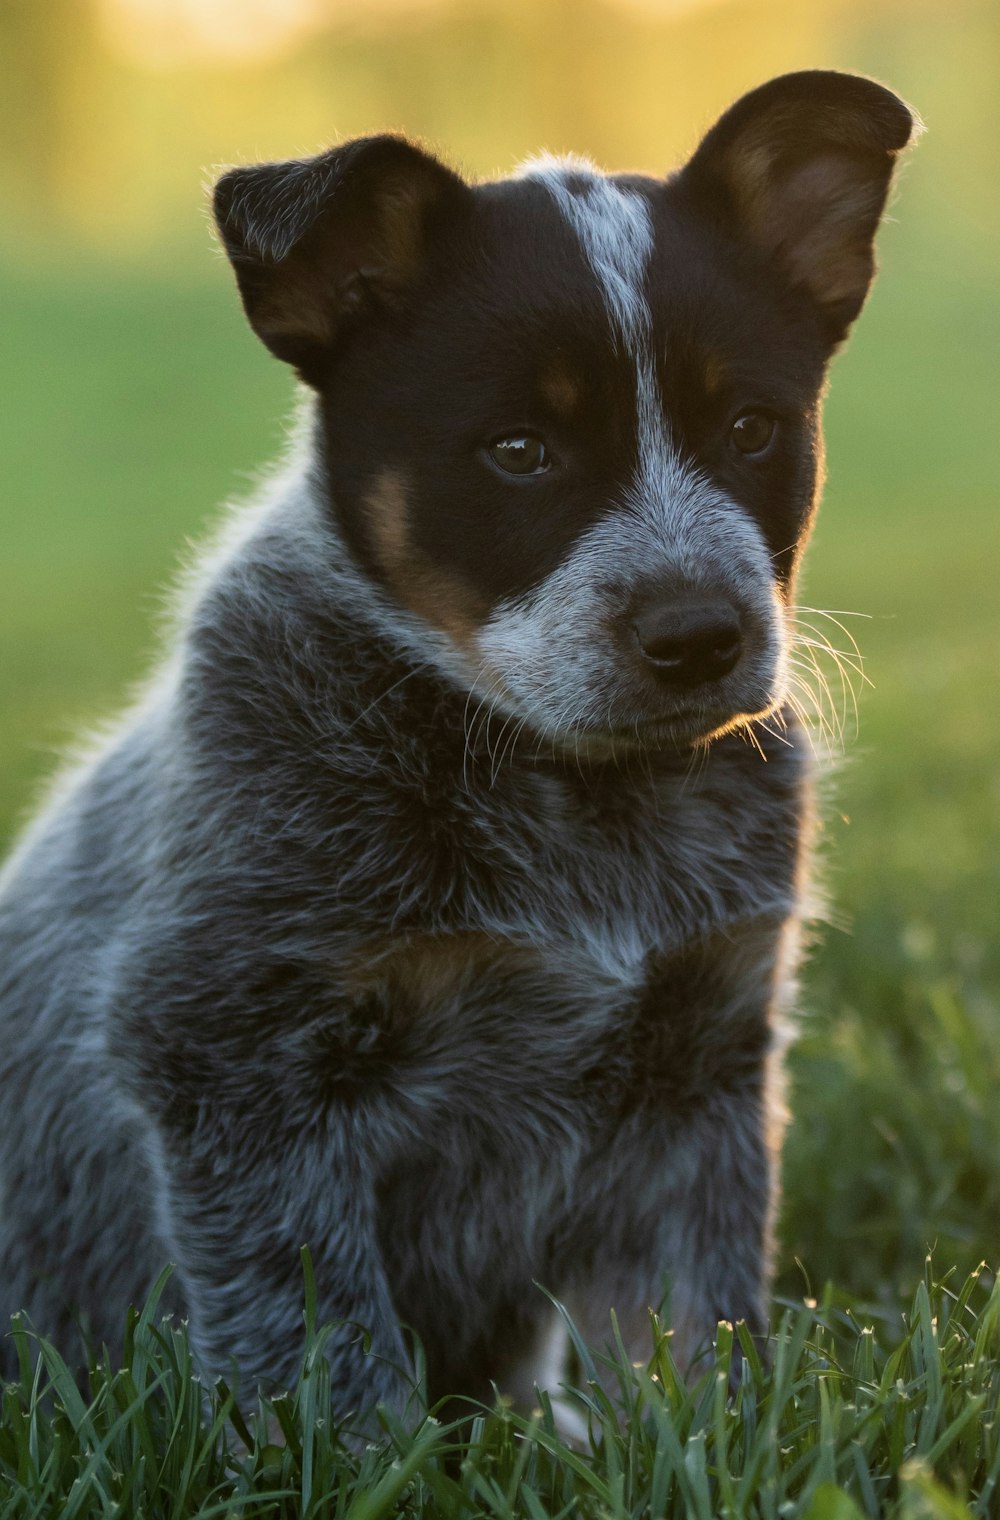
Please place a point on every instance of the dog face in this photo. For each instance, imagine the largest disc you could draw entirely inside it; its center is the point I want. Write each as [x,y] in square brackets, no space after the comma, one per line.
[570,422]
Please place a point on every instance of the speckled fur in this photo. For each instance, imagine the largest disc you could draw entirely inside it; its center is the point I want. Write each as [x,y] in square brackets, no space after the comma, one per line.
[201,1080]
[311,951]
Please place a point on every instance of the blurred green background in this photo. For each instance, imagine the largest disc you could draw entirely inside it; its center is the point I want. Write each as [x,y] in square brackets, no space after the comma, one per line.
[135,401]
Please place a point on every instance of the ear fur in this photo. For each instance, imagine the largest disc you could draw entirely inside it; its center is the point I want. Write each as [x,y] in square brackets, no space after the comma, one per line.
[313,240]
[801,168]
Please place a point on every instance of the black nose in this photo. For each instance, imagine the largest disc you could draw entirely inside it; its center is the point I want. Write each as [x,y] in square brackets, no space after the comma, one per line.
[686,643]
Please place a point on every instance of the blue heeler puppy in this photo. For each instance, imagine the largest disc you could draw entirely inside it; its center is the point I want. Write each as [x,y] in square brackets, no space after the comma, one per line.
[437,907]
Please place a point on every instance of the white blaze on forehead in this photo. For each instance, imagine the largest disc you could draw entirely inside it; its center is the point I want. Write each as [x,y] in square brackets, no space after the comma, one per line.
[615,230]
[616,233]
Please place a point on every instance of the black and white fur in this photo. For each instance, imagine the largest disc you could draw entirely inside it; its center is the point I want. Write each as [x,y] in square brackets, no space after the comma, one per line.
[437,908]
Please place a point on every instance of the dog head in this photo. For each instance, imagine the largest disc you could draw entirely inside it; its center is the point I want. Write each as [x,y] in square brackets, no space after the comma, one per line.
[570,422]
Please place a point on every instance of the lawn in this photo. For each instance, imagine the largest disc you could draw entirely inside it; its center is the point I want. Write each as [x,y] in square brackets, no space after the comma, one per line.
[136,401]
[840,1426]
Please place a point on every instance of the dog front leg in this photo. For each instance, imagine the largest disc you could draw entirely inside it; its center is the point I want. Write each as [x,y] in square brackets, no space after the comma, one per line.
[686,1234]
[680,1202]
[238,1201]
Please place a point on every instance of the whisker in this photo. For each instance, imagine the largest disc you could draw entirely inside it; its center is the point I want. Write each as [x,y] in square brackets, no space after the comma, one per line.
[696,766]
[343,733]
[805,721]
[781,738]
[811,703]
[822,694]
[810,645]
[854,661]
[834,617]
[747,730]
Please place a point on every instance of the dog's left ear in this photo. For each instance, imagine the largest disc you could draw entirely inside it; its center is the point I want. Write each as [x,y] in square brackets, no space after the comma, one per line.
[317,242]
[801,167]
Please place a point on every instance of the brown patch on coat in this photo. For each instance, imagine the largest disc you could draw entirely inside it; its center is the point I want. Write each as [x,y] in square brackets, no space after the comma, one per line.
[434,593]
[431,969]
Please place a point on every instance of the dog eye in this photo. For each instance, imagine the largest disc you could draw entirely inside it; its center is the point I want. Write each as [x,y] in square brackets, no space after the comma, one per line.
[752,432]
[522,454]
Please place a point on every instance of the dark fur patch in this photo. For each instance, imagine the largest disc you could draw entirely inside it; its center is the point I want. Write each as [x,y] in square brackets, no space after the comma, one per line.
[693,1038]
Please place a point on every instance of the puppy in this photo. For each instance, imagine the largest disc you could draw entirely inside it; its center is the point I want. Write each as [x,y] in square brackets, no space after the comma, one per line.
[438,906]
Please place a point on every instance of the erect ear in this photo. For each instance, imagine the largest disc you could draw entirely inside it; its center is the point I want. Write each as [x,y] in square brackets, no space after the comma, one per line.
[801,167]
[316,239]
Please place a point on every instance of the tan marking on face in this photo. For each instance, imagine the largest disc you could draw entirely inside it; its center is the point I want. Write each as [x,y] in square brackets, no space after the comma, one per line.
[561,390]
[430,590]
[715,374]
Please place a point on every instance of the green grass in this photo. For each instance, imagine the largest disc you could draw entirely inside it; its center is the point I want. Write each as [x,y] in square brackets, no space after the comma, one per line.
[845,1422]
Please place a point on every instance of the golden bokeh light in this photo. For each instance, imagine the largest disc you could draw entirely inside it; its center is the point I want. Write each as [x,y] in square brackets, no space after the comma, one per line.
[164,33]
[117,110]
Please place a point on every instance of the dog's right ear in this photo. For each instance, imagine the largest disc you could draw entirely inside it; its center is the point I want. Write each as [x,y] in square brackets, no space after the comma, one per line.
[314,240]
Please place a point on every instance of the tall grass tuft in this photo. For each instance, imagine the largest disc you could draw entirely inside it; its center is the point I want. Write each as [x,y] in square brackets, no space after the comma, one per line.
[842,1420]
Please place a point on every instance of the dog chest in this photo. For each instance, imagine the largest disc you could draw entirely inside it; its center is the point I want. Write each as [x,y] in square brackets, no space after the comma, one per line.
[605,946]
